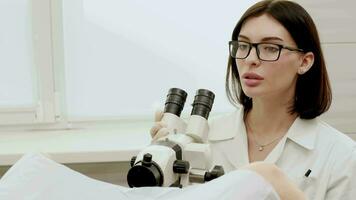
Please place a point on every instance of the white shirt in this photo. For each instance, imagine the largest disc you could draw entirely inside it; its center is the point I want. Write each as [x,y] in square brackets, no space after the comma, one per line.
[308,144]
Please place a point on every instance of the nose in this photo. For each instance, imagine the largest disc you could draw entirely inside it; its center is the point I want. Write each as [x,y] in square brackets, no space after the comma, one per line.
[252,58]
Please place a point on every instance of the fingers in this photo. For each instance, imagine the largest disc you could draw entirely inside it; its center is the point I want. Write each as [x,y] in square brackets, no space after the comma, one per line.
[156,127]
[159,129]
[161,133]
[158,115]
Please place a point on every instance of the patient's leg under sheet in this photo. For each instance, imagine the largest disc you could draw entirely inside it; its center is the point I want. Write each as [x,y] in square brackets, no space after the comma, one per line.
[35,177]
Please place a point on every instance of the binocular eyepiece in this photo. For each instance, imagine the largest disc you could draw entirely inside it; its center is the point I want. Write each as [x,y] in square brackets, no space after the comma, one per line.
[203,102]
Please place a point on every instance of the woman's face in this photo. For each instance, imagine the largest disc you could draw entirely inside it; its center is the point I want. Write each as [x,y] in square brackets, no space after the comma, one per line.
[268,78]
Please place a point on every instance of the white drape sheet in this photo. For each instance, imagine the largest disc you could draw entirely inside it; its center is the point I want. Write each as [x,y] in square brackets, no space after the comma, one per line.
[35,177]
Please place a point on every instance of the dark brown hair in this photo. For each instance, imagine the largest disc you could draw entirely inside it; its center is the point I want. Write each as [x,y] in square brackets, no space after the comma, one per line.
[313,93]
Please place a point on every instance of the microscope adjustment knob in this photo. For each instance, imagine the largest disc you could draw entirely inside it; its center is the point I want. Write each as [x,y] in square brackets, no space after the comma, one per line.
[147,160]
[216,172]
[132,162]
[181,166]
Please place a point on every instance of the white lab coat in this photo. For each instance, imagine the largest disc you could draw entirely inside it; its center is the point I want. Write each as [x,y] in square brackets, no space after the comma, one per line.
[308,144]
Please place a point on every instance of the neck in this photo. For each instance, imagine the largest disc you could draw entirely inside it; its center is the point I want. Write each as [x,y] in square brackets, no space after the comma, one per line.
[270,118]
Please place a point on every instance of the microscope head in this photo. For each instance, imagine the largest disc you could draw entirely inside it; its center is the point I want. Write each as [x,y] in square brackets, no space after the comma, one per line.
[169,160]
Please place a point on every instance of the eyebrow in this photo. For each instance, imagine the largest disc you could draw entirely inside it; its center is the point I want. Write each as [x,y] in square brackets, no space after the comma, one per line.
[263,39]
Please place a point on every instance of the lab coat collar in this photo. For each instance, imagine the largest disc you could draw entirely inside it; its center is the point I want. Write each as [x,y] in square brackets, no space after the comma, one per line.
[227,127]
[304,132]
[232,131]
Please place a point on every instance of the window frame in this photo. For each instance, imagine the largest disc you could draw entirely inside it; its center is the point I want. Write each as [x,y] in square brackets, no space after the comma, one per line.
[44,111]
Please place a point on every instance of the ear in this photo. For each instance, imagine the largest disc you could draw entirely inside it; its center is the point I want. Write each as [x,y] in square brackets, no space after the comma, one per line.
[307,63]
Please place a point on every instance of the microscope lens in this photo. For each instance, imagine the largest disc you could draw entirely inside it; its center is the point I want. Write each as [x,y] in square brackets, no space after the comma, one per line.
[203,102]
[175,101]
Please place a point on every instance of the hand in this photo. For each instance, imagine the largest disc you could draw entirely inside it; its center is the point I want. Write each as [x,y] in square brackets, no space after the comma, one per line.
[159,128]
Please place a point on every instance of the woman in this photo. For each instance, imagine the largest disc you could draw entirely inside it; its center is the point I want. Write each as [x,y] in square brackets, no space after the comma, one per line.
[277,78]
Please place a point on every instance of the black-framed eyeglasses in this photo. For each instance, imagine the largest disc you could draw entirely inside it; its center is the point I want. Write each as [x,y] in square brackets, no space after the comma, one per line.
[265,51]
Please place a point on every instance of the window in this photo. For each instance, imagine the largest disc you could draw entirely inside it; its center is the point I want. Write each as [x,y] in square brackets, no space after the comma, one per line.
[26,78]
[85,59]
[121,57]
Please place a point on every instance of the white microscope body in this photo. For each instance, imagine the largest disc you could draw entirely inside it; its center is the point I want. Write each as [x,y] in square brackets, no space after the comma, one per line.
[183,156]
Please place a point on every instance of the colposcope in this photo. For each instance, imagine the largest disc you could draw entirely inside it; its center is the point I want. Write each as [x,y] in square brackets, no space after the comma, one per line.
[183,156]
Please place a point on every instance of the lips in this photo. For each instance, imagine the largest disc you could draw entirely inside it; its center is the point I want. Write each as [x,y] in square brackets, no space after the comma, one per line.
[252,79]
[251,75]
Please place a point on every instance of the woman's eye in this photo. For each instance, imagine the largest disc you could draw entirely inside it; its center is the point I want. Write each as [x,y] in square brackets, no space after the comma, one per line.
[271,48]
[242,46]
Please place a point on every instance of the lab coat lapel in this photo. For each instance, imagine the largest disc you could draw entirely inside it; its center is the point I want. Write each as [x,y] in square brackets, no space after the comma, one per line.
[302,132]
[276,153]
[236,149]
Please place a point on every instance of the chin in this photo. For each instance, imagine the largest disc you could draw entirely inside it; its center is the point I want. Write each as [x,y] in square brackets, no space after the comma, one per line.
[254,92]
